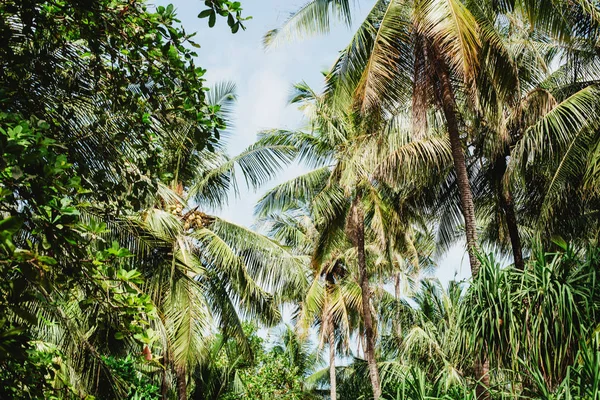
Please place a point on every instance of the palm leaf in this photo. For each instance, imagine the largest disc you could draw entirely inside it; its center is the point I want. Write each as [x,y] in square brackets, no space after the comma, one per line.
[312,18]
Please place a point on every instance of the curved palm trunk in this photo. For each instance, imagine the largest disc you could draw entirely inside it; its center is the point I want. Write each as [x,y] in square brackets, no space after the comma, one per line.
[482,373]
[460,169]
[332,376]
[359,240]
[481,366]
[181,383]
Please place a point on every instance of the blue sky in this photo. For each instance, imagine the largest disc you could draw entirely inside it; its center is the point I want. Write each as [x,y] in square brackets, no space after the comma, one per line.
[264,80]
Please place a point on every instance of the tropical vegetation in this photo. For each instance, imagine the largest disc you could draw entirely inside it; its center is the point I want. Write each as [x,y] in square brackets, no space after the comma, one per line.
[443,122]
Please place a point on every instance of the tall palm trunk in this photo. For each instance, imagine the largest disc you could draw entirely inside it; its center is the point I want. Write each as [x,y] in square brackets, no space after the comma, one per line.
[397,324]
[332,376]
[329,330]
[181,383]
[482,373]
[359,242]
[449,108]
[507,205]
[460,168]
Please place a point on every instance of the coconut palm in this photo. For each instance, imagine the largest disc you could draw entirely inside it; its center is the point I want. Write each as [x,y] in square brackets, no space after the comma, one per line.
[200,272]
[564,161]
[438,332]
[217,269]
[332,301]
[394,59]
[449,44]
[547,72]
[442,37]
[342,198]
[432,346]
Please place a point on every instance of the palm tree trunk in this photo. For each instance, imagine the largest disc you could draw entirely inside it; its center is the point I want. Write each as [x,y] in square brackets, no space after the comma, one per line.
[164,388]
[507,205]
[448,103]
[460,169]
[332,377]
[482,373]
[181,383]
[329,329]
[359,238]
[397,324]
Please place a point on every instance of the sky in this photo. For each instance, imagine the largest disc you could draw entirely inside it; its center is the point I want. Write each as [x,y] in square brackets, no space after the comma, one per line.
[264,80]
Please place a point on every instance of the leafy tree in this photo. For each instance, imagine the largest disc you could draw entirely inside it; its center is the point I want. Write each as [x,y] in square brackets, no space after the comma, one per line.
[141,386]
[91,95]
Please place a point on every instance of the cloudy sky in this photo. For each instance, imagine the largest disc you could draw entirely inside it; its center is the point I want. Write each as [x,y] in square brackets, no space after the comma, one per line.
[264,79]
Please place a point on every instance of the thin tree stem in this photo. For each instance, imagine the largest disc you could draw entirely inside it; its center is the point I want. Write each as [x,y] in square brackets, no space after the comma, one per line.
[513,229]
[164,388]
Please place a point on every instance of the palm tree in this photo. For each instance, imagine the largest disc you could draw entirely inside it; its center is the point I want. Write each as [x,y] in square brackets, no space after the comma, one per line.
[327,202]
[447,43]
[217,269]
[558,148]
[402,49]
[435,341]
[432,347]
[442,37]
[341,195]
[200,272]
[332,301]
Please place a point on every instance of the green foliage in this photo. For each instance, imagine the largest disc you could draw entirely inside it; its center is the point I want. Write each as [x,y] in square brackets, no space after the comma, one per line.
[276,371]
[521,98]
[542,321]
[140,385]
[115,282]
[273,378]
[414,385]
[91,96]
[538,329]
[231,10]
[29,376]
[47,248]
[354,381]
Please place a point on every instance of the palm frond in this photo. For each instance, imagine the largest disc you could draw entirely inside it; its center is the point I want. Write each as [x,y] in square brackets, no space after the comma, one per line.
[258,164]
[224,95]
[455,33]
[313,18]
[563,135]
[299,190]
